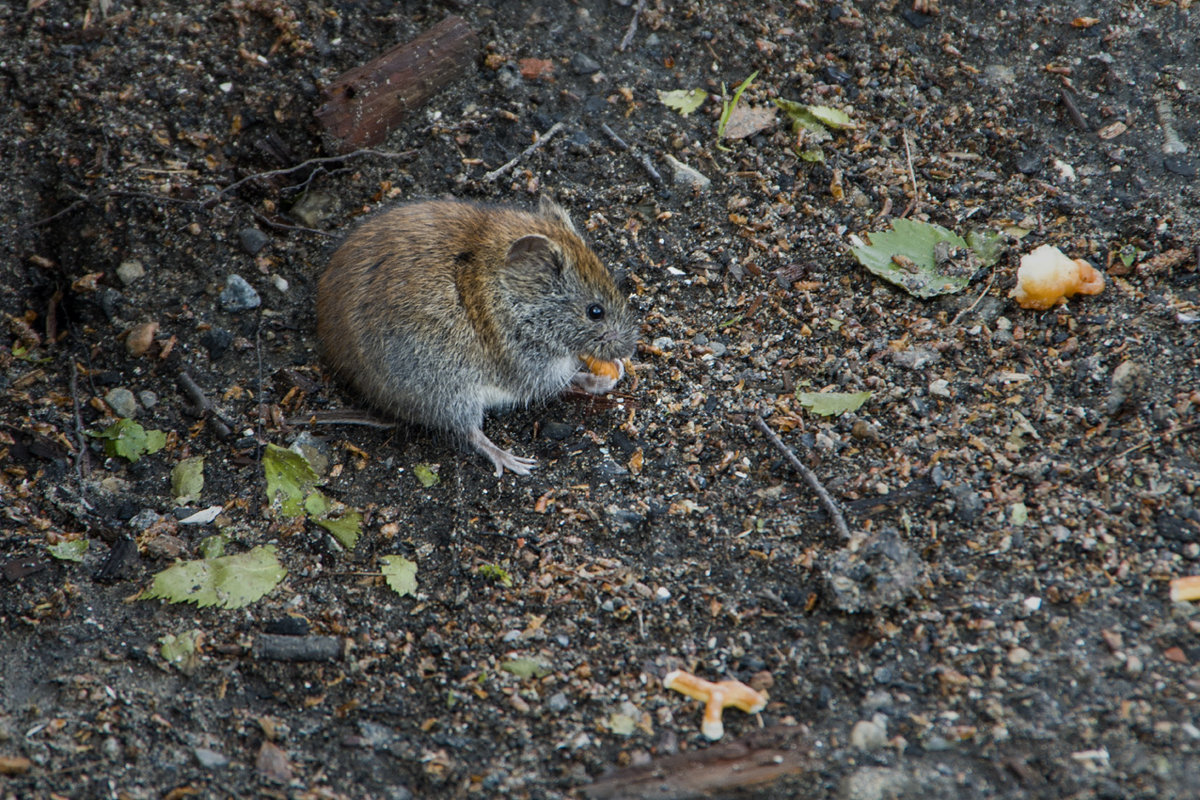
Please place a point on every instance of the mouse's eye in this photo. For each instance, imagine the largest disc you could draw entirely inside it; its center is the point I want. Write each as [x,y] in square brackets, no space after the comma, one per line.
[595,312]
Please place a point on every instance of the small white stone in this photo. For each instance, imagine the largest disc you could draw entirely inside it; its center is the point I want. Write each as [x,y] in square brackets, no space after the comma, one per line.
[1033,603]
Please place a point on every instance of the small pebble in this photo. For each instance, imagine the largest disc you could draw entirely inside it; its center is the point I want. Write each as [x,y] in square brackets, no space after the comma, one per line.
[869,734]
[122,402]
[1019,655]
[210,759]
[130,271]
[238,295]
[216,341]
[556,431]
[147,398]
[584,65]
[253,240]
[687,176]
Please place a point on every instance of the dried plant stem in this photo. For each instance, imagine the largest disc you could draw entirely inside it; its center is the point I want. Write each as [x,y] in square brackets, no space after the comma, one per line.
[810,477]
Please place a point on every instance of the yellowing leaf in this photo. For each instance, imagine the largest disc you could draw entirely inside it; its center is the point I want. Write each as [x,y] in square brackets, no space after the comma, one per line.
[621,724]
[182,650]
[187,480]
[831,404]
[229,581]
[525,668]
[70,550]
[685,101]
[400,574]
[345,528]
[496,573]
[426,474]
[831,117]
[290,477]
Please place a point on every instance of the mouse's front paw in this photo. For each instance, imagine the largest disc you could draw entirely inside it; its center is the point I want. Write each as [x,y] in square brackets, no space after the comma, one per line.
[600,376]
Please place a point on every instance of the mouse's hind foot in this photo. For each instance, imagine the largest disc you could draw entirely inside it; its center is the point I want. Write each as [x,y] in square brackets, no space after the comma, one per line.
[500,458]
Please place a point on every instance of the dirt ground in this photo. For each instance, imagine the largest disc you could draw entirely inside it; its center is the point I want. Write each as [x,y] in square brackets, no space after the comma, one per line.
[1020,485]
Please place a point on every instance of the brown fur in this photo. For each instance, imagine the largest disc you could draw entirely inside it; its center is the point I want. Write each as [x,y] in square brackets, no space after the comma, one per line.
[436,311]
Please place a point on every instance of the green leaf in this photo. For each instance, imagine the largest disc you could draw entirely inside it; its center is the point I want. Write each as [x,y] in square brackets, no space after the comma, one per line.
[1129,255]
[727,106]
[907,256]
[525,668]
[345,528]
[289,477]
[70,550]
[129,440]
[213,546]
[832,404]
[316,504]
[496,573]
[803,118]
[815,155]
[179,649]
[400,574]
[685,101]
[426,474]
[229,581]
[187,480]
[831,117]
[988,245]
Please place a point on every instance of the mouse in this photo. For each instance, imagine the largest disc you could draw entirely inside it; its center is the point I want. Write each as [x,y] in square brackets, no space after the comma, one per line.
[438,311]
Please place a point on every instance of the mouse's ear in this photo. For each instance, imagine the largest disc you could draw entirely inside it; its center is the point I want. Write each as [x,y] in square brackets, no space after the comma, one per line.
[534,249]
[552,211]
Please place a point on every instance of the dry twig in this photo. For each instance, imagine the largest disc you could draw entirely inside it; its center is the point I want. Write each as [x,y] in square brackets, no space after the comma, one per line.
[810,477]
[202,404]
[541,140]
[642,158]
[628,37]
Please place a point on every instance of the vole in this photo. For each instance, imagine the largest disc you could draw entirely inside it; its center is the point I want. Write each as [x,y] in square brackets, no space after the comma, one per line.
[437,311]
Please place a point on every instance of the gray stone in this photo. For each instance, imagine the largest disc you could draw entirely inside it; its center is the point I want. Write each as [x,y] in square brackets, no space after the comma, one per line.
[556,431]
[122,402]
[210,759]
[238,295]
[686,176]
[883,573]
[253,240]
[876,783]
[968,505]
[558,703]
[869,734]
[147,398]
[584,65]
[130,271]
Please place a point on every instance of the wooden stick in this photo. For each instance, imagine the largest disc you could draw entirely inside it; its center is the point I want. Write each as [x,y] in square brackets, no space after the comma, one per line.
[366,103]
[809,476]
[541,140]
[637,12]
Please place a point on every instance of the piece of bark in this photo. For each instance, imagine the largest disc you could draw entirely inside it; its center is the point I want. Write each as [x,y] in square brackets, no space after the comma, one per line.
[298,648]
[364,104]
[759,758]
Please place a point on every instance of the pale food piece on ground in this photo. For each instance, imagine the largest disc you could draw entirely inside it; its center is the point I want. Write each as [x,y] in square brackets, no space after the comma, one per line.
[716,697]
[1047,277]
[1185,589]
